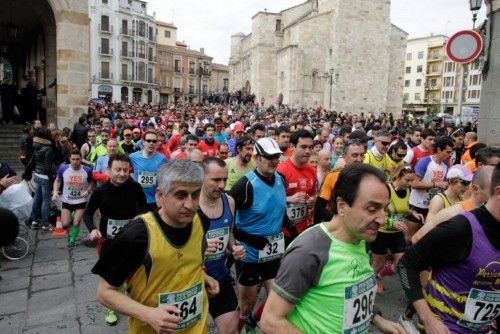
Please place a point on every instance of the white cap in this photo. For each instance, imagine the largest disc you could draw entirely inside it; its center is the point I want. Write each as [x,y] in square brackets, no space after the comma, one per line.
[460,172]
[267,146]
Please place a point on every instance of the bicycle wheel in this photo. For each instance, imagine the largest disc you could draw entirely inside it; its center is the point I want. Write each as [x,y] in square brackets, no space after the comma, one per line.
[26,233]
[16,250]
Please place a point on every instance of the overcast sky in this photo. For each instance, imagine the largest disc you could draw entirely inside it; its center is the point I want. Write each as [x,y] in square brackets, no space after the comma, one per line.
[210,23]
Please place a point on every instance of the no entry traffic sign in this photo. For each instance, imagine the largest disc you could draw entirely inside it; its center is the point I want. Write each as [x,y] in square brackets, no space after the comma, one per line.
[464,46]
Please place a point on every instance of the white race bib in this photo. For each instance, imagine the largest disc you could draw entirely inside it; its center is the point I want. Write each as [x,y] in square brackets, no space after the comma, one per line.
[296,212]
[74,193]
[147,179]
[115,226]
[358,306]
[481,308]
[274,248]
[222,235]
[189,302]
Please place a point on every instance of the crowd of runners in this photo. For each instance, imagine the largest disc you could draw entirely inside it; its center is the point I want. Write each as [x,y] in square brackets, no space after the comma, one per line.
[194,209]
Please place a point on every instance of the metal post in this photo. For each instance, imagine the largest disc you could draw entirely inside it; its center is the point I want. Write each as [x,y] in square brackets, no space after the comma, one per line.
[461,92]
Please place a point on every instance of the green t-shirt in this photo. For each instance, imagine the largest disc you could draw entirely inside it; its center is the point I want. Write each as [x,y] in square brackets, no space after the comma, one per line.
[330,282]
[233,174]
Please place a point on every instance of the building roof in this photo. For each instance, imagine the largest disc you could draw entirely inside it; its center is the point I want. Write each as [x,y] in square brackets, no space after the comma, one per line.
[220,67]
[427,37]
[165,24]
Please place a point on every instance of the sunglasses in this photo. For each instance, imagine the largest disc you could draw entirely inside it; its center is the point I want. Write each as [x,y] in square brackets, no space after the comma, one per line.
[271,157]
[401,155]
[385,143]
[154,141]
[465,183]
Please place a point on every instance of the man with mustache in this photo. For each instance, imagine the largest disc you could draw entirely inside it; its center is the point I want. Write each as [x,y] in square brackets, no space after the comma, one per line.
[242,163]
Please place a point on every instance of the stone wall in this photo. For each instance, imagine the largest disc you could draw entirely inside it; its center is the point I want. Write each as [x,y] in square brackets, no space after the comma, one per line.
[396,71]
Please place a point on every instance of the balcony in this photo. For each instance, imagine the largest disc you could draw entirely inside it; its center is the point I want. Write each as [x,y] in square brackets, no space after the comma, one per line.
[127,32]
[127,54]
[106,51]
[105,76]
[105,29]
[207,72]
[127,77]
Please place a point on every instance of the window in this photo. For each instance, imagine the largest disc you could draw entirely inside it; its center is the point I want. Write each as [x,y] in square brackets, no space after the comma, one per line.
[420,55]
[226,84]
[449,67]
[151,34]
[150,75]
[473,94]
[167,33]
[141,71]
[408,56]
[475,80]
[278,25]
[406,96]
[435,54]
[141,50]
[191,86]
[204,89]
[417,96]
[474,65]
[124,72]
[314,80]
[407,83]
[419,69]
[105,70]
[449,81]
[177,83]
[125,27]
[142,29]
[191,67]
[447,95]
[434,68]
[177,65]
[408,69]
[104,23]
[124,49]
[150,54]
[104,2]
[433,82]
[105,46]
[418,83]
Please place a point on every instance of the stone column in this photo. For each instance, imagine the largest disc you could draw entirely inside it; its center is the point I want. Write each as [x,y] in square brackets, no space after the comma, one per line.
[489,117]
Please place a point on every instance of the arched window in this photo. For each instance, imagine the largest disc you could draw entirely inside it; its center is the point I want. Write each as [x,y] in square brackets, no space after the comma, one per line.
[124,94]
[314,81]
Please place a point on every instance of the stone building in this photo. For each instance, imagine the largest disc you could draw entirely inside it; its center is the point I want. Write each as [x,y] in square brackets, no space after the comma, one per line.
[123,51]
[219,80]
[343,55]
[47,42]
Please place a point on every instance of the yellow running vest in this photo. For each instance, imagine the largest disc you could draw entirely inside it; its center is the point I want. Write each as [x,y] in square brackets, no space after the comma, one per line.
[176,278]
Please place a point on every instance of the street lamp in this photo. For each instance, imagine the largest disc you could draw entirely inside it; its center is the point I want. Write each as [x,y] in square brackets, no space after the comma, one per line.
[475,6]
[334,77]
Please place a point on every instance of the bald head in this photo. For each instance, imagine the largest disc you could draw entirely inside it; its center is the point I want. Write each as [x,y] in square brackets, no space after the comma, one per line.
[195,155]
[482,177]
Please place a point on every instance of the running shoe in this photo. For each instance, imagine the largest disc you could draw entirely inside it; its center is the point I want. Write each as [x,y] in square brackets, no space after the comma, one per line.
[35,225]
[408,325]
[46,229]
[71,245]
[111,318]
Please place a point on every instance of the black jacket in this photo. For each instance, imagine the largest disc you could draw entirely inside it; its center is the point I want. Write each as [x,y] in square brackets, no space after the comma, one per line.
[43,157]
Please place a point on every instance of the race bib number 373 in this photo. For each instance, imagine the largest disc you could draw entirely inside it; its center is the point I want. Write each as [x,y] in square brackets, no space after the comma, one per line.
[189,302]
[358,306]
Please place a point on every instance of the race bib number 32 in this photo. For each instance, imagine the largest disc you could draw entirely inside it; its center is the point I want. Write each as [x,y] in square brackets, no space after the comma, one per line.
[189,302]
[358,306]
[274,248]
[481,308]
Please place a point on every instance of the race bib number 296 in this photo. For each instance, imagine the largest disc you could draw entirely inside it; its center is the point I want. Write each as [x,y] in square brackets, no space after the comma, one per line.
[358,306]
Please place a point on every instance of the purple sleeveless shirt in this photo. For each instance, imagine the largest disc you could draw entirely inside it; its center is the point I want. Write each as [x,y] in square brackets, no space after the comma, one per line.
[466,295]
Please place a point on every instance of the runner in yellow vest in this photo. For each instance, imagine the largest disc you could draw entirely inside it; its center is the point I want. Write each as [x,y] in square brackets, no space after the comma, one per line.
[160,257]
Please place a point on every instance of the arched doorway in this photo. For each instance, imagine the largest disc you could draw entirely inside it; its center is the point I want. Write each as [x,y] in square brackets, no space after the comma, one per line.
[137,94]
[5,69]
[124,94]
[105,92]
[47,45]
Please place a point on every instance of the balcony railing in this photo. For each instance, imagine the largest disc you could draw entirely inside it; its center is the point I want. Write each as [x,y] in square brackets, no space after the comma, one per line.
[106,51]
[127,77]
[127,32]
[127,54]
[108,29]
[106,76]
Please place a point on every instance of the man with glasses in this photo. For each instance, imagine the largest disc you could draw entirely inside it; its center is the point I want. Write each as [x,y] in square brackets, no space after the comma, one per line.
[146,164]
[396,154]
[88,147]
[377,155]
[354,152]
[260,200]
[242,163]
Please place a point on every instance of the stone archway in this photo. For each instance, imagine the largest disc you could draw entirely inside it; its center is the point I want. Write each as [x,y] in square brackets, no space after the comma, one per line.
[51,49]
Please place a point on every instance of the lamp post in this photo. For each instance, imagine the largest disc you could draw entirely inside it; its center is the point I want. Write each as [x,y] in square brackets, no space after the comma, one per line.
[475,6]
[333,79]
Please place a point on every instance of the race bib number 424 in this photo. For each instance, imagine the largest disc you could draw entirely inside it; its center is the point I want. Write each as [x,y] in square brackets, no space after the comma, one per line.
[189,302]
[358,306]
